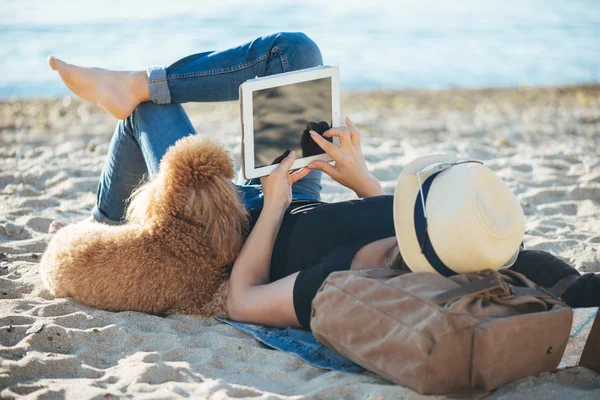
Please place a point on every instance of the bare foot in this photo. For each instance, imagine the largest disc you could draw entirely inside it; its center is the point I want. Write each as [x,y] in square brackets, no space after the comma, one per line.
[57,225]
[117,92]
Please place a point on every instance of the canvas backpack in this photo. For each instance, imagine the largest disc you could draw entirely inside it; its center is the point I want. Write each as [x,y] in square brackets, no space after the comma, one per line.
[438,335]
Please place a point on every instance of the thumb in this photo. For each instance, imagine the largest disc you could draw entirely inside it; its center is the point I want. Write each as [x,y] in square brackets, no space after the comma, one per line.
[323,166]
[287,162]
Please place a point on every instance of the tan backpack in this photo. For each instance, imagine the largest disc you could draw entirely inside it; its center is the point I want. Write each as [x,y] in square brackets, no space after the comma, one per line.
[438,335]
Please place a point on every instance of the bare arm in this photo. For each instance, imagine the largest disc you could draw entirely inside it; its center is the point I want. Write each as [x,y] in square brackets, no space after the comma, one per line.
[251,298]
[350,168]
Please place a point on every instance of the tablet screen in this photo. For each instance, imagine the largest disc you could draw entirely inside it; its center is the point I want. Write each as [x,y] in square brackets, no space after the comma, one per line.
[284,114]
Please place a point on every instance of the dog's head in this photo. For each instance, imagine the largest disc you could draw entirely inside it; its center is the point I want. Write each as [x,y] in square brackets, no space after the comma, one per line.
[193,192]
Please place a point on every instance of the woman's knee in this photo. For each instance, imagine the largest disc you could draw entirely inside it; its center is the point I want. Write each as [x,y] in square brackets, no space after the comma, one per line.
[297,50]
[159,119]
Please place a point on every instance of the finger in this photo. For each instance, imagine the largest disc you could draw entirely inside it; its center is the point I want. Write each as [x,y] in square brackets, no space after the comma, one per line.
[329,148]
[325,167]
[355,137]
[354,134]
[286,163]
[349,123]
[281,157]
[296,176]
[342,133]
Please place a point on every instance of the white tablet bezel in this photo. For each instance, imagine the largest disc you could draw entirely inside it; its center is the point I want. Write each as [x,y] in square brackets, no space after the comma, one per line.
[247,117]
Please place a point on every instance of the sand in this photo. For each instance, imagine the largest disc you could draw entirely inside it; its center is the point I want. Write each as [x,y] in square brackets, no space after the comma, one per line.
[544,142]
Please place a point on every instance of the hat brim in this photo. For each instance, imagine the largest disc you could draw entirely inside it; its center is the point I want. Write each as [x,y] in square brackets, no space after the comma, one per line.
[405,197]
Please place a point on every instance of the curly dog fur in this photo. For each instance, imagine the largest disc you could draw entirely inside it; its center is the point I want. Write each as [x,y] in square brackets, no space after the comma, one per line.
[183,228]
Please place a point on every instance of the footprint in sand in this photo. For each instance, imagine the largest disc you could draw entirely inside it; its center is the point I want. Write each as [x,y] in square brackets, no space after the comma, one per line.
[13,289]
[586,191]
[593,177]
[562,157]
[160,373]
[8,179]
[11,335]
[16,320]
[38,224]
[560,208]
[34,245]
[54,339]
[39,365]
[521,167]
[595,239]
[22,190]
[58,308]
[242,393]
[24,390]
[40,203]
[10,230]
[544,196]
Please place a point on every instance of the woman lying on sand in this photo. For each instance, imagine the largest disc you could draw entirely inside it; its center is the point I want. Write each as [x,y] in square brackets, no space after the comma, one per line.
[295,240]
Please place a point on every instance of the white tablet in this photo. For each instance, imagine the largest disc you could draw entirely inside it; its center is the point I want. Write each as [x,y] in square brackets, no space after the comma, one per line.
[278,111]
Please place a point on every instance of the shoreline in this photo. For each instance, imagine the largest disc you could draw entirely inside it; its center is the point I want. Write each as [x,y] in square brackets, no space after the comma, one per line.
[529,92]
[387,102]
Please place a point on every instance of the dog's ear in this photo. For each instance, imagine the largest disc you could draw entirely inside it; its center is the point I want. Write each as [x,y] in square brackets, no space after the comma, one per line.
[221,219]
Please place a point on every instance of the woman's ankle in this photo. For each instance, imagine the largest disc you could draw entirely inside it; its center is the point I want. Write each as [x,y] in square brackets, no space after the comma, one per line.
[138,84]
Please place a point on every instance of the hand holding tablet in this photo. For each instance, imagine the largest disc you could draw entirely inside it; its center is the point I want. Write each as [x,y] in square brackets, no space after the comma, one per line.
[350,167]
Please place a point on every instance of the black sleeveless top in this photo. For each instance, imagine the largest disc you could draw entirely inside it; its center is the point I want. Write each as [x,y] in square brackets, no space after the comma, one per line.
[317,239]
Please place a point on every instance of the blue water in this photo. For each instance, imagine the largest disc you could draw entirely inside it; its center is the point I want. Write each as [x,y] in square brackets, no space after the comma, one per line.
[377,44]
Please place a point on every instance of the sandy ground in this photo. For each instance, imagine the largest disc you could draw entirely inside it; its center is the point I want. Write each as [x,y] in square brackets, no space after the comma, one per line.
[544,142]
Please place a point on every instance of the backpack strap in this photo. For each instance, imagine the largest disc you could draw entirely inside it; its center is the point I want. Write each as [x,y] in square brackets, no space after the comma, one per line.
[492,282]
[384,273]
[525,291]
[478,286]
[531,288]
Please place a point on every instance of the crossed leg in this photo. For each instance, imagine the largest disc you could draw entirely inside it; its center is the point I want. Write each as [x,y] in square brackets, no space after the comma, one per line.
[153,119]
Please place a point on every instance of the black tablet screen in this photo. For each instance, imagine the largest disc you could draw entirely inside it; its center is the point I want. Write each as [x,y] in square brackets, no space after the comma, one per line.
[283,116]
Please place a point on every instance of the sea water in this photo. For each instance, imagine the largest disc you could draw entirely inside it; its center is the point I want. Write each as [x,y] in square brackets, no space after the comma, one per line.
[387,44]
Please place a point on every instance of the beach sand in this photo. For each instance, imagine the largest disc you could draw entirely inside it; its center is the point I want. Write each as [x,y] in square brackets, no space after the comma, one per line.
[545,143]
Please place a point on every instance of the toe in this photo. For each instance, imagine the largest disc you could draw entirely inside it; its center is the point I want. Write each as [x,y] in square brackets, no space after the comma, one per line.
[52,62]
[55,226]
[55,63]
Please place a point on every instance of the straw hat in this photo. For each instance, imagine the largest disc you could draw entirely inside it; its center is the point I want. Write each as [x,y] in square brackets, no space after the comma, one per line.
[473,220]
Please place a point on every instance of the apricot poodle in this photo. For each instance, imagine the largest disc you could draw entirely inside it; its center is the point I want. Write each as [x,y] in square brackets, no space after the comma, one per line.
[183,228]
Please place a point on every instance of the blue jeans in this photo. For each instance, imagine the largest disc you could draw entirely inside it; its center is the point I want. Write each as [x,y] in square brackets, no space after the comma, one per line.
[140,141]
[299,343]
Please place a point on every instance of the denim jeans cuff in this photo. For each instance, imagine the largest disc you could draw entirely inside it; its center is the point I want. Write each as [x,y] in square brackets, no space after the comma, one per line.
[157,84]
[100,217]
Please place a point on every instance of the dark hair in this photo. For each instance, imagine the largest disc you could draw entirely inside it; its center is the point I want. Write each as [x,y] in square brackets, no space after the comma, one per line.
[399,264]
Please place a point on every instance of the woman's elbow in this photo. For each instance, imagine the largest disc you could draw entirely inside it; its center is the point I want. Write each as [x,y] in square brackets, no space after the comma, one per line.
[235,304]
